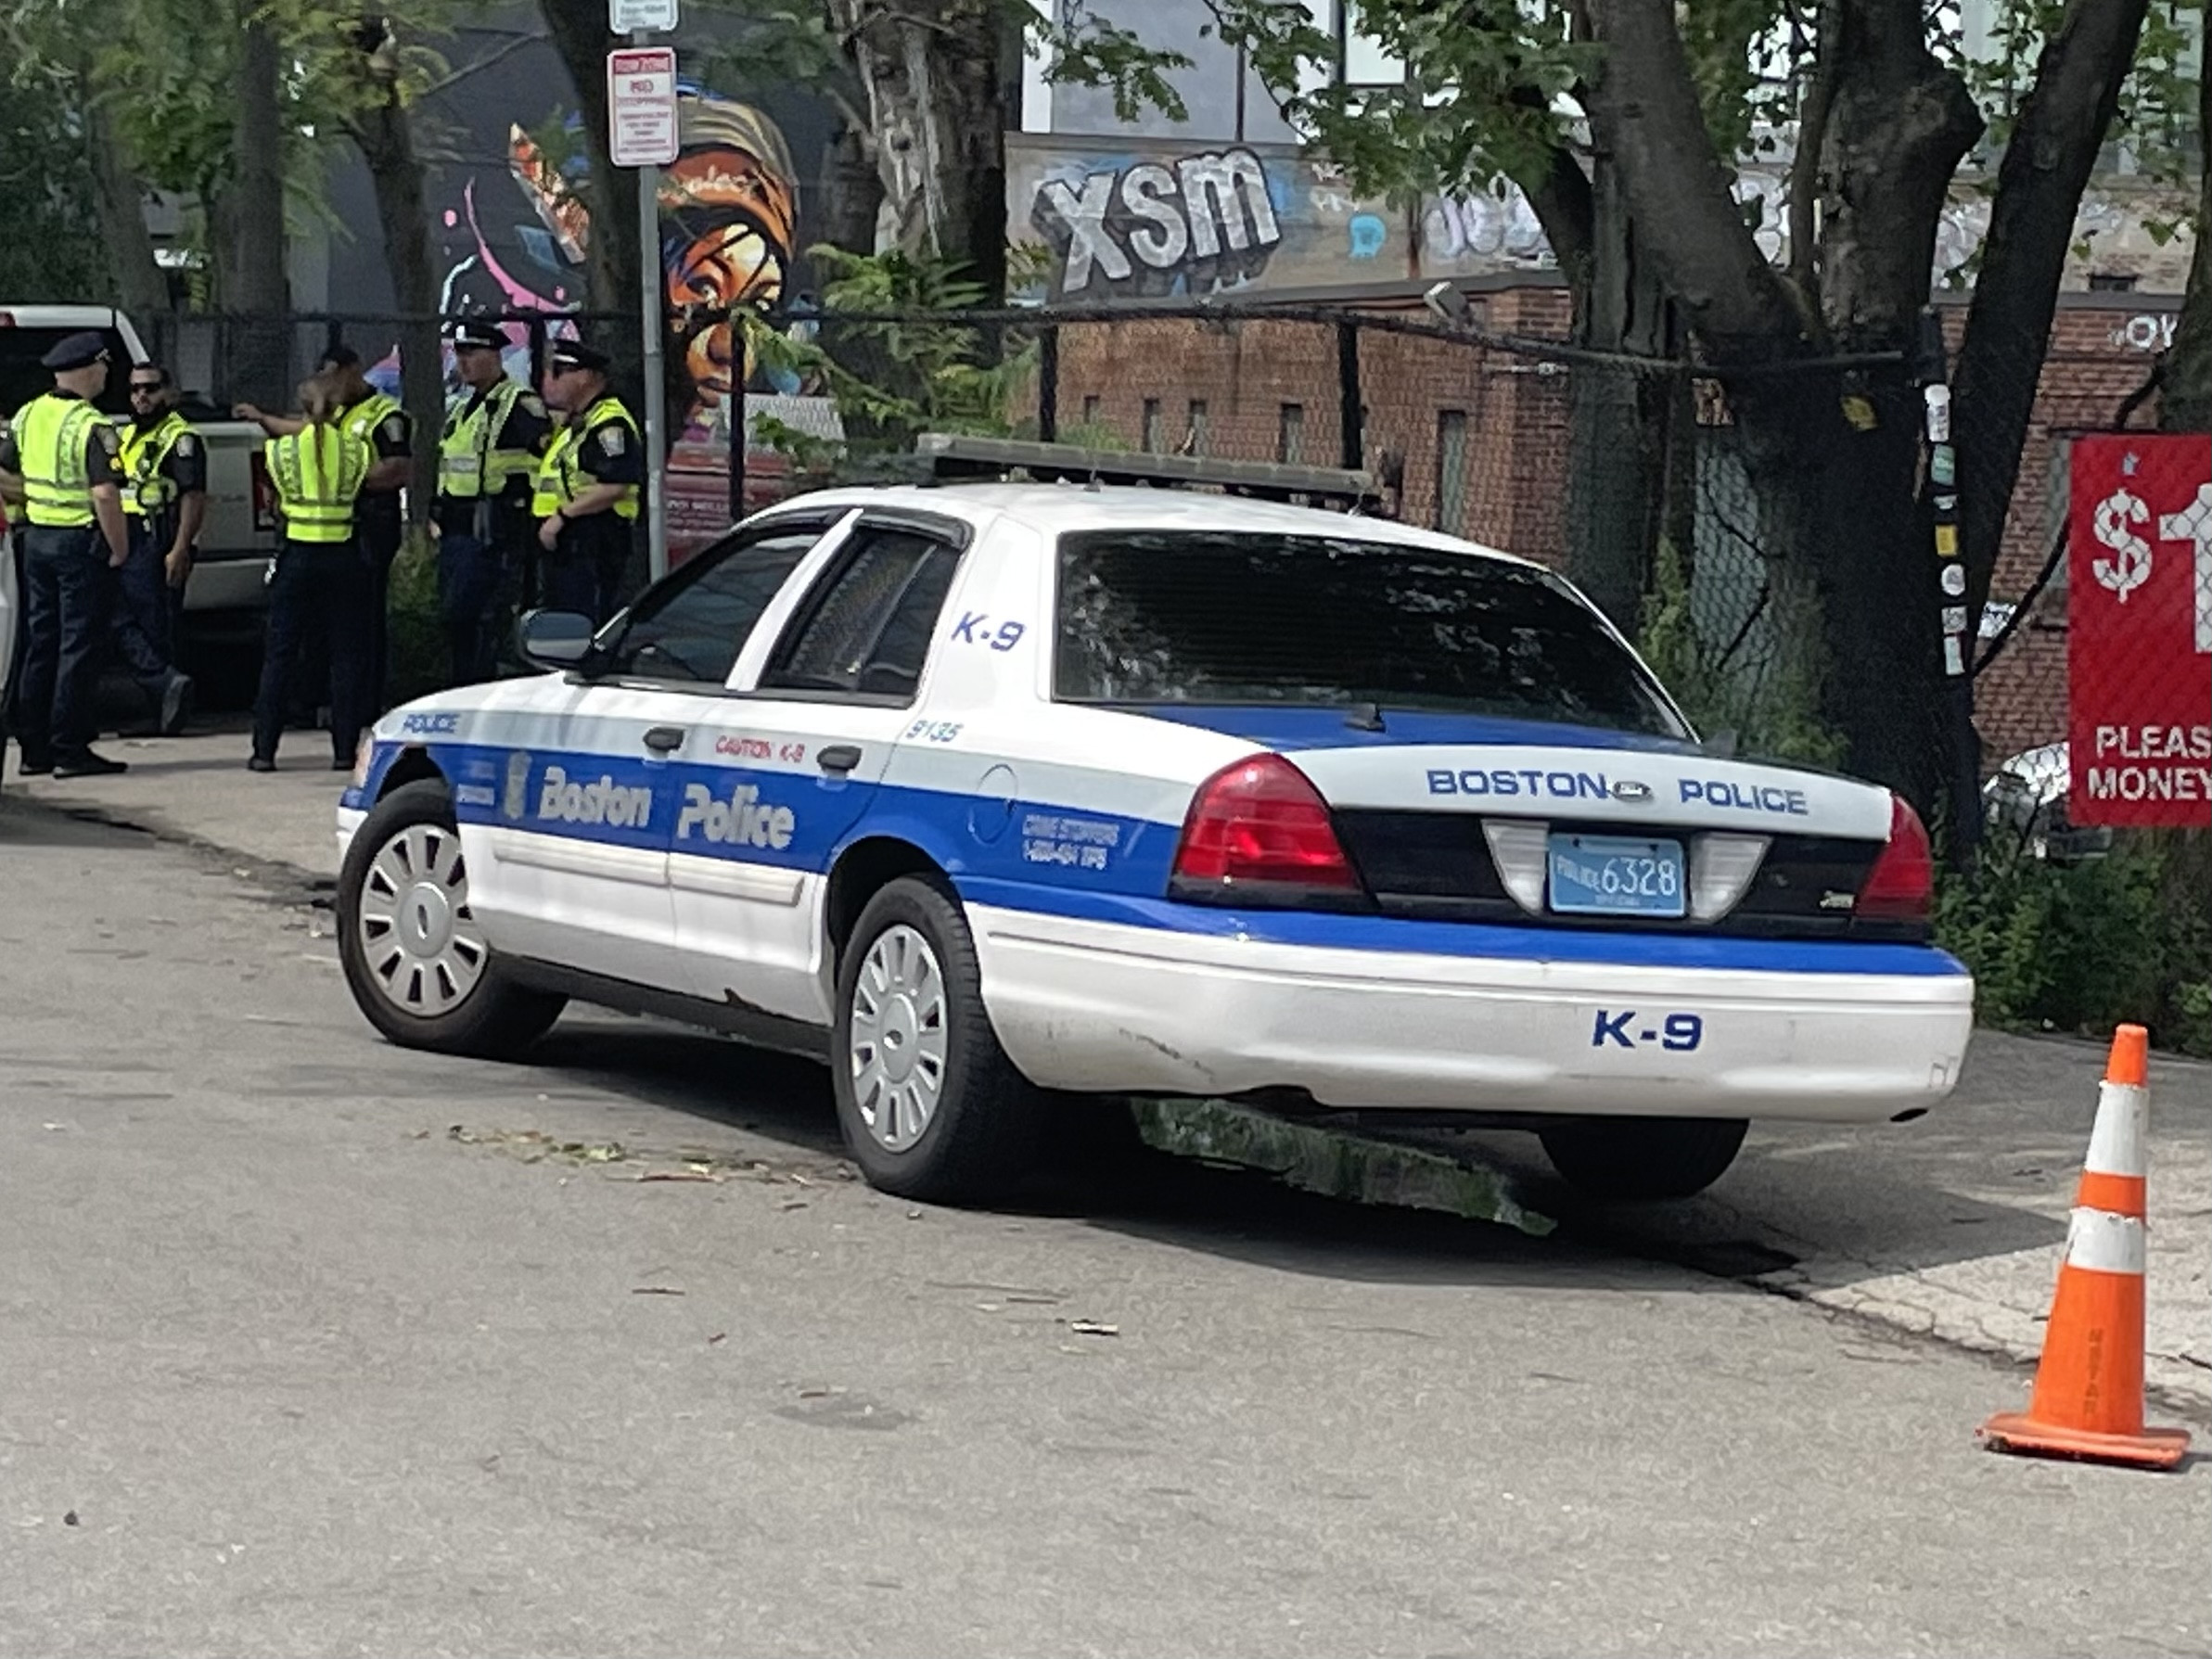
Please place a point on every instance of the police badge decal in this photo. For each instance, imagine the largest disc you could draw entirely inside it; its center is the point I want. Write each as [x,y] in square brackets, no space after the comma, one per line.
[517,799]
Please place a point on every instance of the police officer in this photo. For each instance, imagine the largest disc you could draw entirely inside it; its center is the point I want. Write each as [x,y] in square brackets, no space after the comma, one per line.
[494,430]
[601,468]
[62,457]
[379,421]
[321,587]
[165,485]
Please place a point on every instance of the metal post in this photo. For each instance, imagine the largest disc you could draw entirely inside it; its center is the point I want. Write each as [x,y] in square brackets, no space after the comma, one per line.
[650,307]
[1350,415]
[1958,629]
[738,447]
[1048,384]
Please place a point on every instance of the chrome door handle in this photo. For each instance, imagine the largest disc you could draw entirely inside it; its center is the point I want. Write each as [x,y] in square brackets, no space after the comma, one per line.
[664,740]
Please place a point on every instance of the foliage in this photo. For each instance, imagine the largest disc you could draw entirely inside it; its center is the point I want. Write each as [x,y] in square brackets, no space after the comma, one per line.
[52,250]
[2080,947]
[416,632]
[1494,88]
[1774,715]
[925,371]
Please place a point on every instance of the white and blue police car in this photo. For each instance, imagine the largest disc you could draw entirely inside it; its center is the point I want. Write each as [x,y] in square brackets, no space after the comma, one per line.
[1009,798]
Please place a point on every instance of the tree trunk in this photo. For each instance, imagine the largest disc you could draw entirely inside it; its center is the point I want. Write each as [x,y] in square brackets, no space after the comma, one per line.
[578,29]
[2047,165]
[140,289]
[851,192]
[386,141]
[1831,480]
[253,287]
[2185,389]
[1617,414]
[937,109]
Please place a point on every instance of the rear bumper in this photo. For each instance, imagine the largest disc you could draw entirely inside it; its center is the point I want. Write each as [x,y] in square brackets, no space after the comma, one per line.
[348,824]
[1097,1005]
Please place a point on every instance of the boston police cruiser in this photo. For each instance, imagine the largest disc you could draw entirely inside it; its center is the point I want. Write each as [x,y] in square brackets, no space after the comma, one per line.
[1014,799]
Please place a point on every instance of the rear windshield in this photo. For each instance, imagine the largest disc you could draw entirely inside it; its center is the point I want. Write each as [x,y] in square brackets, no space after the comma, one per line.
[1229,617]
[21,378]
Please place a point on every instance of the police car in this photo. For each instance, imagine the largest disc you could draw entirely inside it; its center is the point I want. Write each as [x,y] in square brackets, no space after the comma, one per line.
[1009,798]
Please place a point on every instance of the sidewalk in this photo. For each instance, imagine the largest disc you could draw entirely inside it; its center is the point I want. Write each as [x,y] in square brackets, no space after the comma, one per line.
[197,789]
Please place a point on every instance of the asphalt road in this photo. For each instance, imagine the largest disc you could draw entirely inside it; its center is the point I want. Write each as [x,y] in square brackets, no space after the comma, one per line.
[309,1346]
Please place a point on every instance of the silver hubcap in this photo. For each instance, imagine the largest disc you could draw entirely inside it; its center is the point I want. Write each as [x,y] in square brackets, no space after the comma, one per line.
[898,1050]
[423,949]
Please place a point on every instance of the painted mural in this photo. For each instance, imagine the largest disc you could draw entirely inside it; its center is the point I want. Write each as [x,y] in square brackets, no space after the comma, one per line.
[1119,220]
[729,226]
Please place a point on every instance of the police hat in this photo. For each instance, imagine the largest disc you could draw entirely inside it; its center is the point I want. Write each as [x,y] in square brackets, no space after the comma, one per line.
[575,354]
[76,353]
[478,337]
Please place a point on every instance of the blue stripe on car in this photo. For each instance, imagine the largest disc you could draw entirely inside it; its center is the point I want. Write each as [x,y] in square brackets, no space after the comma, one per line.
[1037,856]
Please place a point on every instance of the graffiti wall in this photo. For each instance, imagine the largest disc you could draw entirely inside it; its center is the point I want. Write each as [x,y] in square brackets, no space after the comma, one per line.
[513,232]
[1118,221]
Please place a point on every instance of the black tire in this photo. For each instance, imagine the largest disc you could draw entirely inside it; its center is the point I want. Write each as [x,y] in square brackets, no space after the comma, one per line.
[496,1020]
[984,1139]
[1639,1159]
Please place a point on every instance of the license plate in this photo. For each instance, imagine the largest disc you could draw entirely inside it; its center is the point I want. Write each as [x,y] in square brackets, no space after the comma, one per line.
[1617,875]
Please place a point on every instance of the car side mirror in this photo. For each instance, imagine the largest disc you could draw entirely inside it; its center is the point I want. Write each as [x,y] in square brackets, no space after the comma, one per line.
[554,639]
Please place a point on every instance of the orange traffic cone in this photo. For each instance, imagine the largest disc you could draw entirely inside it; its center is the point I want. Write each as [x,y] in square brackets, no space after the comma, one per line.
[2088,1400]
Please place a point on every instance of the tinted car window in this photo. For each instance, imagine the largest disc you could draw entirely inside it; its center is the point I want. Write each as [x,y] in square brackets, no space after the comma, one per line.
[868,632]
[1228,618]
[692,627]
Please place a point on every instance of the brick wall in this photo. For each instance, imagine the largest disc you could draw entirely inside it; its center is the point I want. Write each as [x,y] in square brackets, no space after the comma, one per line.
[1482,434]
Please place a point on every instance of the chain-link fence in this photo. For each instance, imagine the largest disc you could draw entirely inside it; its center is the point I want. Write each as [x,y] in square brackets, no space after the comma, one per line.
[1767,539]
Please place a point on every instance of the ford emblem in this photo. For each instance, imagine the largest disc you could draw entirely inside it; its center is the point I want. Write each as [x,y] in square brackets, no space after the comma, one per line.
[1629,789]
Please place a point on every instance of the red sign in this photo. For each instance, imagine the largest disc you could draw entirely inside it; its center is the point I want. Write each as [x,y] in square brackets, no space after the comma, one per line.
[641,106]
[2138,630]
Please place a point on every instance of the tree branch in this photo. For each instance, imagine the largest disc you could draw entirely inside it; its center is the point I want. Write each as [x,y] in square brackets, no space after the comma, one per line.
[1644,112]
[1804,166]
[529,37]
[2047,165]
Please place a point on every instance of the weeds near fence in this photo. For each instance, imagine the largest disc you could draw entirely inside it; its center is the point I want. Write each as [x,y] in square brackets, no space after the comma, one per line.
[2080,946]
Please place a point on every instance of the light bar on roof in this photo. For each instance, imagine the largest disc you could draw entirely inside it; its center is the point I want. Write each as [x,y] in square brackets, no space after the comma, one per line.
[954,456]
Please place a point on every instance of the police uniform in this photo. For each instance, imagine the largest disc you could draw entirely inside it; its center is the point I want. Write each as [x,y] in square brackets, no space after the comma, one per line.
[602,445]
[63,449]
[389,430]
[486,459]
[164,461]
[321,588]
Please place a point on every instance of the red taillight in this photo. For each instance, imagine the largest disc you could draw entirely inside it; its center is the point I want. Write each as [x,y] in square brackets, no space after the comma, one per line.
[1901,885]
[1260,825]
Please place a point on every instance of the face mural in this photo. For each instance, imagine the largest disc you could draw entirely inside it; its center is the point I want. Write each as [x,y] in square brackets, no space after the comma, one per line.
[728,212]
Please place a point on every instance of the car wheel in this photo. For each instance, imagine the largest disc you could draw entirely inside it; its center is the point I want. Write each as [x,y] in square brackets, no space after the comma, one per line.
[414,958]
[929,1104]
[1631,1158]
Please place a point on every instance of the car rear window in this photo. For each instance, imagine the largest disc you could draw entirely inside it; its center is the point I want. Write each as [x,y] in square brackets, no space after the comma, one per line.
[1232,618]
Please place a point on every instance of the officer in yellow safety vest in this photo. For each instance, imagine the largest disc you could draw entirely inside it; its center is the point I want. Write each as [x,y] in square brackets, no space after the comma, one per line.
[61,458]
[494,427]
[165,497]
[378,419]
[321,588]
[600,472]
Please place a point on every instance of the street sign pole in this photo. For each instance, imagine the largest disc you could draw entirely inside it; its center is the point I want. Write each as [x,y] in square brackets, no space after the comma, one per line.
[641,121]
[651,305]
